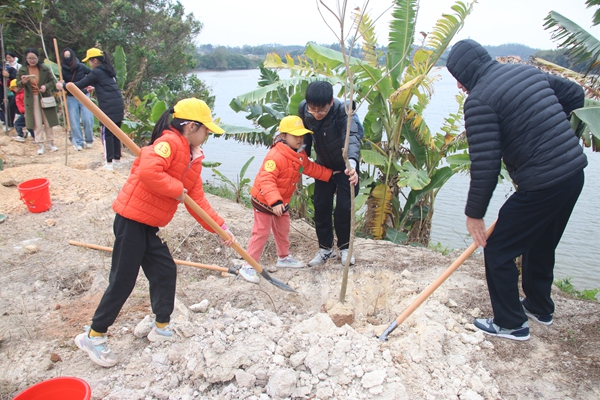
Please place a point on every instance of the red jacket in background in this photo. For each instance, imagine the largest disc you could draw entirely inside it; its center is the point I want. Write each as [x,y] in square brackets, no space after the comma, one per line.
[280,171]
[19,99]
[159,175]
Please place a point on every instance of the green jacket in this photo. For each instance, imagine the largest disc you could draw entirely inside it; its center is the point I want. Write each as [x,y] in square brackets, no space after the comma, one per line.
[46,79]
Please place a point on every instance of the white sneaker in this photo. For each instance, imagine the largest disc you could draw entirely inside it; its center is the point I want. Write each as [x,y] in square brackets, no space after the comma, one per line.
[108,167]
[344,257]
[289,262]
[53,148]
[77,147]
[96,348]
[88,145]
[40,149]
[160,334]
[321,257]
[20,139]
[117,163]
[249,273]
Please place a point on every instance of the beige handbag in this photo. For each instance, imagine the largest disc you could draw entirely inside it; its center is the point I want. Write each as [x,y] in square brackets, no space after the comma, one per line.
[47,102]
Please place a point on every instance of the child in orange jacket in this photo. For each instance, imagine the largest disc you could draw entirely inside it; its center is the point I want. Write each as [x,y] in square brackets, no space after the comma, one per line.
[273,188]
[165,171]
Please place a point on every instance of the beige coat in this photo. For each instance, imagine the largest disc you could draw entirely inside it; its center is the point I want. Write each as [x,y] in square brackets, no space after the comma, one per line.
[47,79]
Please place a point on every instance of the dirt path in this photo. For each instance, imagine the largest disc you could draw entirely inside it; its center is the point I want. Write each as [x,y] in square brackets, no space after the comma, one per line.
[256,341]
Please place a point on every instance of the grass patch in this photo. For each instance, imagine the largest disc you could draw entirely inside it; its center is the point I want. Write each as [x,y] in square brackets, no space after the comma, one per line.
[566,286]
[440,248]
[226,193]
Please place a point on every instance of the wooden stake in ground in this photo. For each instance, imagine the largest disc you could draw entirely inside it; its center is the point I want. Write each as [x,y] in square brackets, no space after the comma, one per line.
[431,288]
[187,200]
[64,102]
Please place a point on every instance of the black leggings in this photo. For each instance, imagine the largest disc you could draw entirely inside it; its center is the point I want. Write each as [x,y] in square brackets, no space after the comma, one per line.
[137,244]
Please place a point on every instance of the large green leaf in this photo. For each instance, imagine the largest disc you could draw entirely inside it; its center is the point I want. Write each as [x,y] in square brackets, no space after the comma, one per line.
[402,32]
[373,157]
[412,177]
[157,110]
[580,44]
[591,116]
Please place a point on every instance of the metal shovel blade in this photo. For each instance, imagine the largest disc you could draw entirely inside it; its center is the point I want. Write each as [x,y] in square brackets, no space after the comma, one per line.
[276,282]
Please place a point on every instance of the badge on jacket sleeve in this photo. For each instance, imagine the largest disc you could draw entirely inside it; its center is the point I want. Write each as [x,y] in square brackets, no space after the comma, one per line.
[163,149]
[270,166]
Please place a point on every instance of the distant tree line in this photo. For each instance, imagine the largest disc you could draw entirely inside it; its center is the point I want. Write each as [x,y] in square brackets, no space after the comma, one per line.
[209,57]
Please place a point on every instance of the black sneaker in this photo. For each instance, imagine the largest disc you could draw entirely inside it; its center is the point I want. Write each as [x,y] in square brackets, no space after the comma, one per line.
[488,327]
[544,319]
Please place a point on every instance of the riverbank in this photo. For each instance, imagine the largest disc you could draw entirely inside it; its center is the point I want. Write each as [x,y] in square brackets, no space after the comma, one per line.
[236,340]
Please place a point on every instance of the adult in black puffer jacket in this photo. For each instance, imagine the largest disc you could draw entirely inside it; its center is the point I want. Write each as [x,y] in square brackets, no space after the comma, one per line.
[74,71]
[110,100]
[517,114]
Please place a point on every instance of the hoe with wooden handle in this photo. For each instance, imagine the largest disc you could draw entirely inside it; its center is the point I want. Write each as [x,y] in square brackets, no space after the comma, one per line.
[188,200]
[232,271]
[431,288]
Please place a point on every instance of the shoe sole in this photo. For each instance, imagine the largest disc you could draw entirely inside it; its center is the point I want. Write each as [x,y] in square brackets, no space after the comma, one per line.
[155,337]
[290,266]
[92,356]
[511,337]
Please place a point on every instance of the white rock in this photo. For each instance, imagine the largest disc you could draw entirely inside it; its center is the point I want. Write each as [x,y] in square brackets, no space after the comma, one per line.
[282,383]
[372,379]
[244,379]
[201,307]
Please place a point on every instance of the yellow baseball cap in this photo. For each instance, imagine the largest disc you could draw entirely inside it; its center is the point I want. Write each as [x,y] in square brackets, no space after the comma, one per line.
[196,110]
[13,84]
[93,52]
[293,125]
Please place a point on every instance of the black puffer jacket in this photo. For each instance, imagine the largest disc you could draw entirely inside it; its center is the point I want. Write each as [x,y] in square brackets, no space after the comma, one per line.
[518,114]
[110,99]
[75,74]
[329,135]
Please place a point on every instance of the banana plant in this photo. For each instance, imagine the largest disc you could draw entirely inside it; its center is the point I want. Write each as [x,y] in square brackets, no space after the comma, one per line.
[400,152]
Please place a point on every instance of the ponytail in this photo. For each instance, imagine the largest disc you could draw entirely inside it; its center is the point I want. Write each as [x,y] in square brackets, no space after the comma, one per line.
[162,124]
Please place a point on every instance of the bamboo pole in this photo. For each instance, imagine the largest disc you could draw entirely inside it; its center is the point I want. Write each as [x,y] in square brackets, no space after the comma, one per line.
[64,101]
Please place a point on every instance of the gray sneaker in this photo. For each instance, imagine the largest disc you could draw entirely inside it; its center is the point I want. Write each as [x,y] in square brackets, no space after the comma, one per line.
[344,257]
[321,257]
[96,348]
[488,327]
[289,262]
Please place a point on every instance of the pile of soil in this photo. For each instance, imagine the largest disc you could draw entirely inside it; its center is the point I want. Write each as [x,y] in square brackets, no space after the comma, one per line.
[237,340]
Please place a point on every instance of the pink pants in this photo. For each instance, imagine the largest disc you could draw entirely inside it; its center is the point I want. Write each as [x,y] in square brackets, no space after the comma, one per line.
[263,224]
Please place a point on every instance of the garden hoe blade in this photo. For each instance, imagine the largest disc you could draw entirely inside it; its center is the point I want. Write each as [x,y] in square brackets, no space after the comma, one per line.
[75,91]
[433,286]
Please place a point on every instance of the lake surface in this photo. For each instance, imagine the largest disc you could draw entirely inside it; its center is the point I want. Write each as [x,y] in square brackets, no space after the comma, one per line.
[578,254]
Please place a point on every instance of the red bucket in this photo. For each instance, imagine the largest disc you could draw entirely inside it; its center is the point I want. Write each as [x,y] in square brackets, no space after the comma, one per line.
[63,388]
[36,194]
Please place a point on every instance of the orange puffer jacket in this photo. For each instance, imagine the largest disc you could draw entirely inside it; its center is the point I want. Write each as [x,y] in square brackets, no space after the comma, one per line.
[157,177]
[280,171]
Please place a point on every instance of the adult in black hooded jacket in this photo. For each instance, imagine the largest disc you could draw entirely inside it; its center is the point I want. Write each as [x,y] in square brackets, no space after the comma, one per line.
[110,100]
[518,114]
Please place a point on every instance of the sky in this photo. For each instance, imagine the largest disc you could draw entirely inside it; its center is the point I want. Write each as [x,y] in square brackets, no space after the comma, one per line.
[292,22]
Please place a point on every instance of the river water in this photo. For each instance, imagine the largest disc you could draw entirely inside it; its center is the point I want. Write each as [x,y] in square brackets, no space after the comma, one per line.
[578,254]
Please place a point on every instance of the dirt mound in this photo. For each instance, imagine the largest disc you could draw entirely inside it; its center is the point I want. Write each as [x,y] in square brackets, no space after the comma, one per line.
[245,341]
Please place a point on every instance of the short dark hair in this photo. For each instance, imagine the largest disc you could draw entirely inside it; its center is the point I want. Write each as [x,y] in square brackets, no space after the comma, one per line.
[319,93]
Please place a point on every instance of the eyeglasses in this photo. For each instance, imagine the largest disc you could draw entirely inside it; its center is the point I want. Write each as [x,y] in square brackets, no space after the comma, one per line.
[322,111]
[32,58]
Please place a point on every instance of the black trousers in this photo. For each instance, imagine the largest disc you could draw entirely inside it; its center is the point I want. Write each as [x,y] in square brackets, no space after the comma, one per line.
[112,144]
[323,201]
[137,244]
[529,224]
